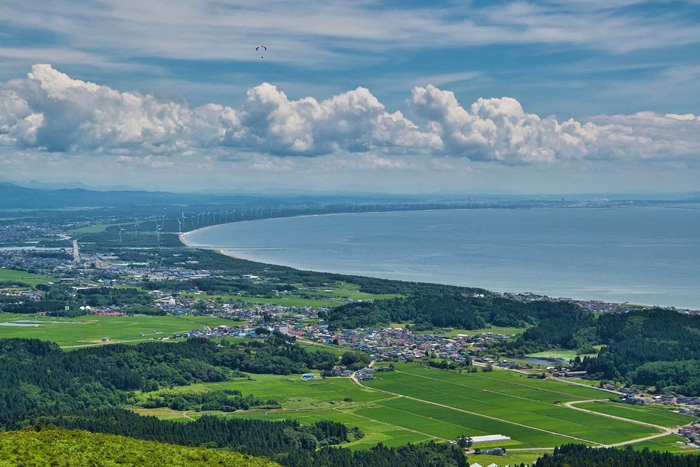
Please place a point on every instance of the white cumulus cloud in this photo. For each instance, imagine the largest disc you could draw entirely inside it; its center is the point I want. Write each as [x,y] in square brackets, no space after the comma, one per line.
[52,112]
[500,130]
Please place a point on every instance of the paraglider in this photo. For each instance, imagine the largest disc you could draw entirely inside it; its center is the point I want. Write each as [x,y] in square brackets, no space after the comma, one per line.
[261,46]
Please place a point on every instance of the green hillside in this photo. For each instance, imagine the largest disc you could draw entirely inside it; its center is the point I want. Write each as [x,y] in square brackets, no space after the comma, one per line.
[73,448]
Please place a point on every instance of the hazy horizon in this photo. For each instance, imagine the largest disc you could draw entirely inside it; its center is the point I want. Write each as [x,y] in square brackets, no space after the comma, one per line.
[68,185]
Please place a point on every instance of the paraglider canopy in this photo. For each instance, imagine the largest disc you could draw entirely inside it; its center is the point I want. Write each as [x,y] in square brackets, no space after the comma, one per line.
[261,46]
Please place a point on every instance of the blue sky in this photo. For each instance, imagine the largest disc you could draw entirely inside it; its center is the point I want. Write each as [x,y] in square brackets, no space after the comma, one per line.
[626,72]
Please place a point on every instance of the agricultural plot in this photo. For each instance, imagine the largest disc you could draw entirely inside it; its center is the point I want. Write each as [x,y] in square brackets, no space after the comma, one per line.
[376,431]
[317,346]
[670,443]
[417,403]
[336,399]
[451,332]
[23,277]
[530,411]
[91,329]
[294,393]
[655,416]
[330,296]
[510,458]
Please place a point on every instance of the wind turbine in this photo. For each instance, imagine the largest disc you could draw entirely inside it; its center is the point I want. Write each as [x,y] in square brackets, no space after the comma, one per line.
[158,229]
[179,224]
[120,233]
[136,227]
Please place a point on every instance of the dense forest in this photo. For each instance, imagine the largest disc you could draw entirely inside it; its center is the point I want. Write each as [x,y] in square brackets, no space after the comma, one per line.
[653,347]
[226,400]
[450,308]
[38,378]
[656,347]
[286,442]
[578,455]
[255,437]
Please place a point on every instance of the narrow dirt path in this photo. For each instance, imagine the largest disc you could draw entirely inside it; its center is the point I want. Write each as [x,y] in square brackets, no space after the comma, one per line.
[664,431]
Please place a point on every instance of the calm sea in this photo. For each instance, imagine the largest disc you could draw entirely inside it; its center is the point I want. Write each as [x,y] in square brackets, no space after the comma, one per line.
[638,254]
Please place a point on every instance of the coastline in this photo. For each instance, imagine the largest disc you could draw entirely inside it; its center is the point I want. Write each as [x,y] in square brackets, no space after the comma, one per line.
[183,237]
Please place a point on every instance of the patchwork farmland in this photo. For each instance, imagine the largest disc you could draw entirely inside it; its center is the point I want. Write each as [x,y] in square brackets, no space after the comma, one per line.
[415,403]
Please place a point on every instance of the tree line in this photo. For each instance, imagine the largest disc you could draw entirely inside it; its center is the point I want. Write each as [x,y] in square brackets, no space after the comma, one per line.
[38,378]
[447,307]
[286,442]
[653,347]
[583,456]
[225,400]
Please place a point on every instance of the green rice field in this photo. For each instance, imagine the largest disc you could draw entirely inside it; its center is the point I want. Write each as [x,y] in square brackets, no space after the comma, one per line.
[23,277]
[653,415]
[418,403]
[670,443]
[91,329]
[528,410]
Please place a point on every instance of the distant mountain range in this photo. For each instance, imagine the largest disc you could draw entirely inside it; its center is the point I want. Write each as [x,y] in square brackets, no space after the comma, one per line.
[40,196]
[18,197]
[14,196]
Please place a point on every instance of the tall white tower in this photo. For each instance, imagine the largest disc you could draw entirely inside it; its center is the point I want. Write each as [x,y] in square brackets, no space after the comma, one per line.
[76,252]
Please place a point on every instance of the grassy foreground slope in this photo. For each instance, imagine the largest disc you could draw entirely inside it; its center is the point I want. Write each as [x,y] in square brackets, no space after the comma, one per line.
[74,448]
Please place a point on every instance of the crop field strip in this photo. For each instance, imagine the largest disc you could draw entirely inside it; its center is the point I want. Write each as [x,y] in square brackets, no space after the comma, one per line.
[424,403]
[667,443]
[646,414]
[22,277]
[504,425]
[451,423]
[514,402]
[90,329]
